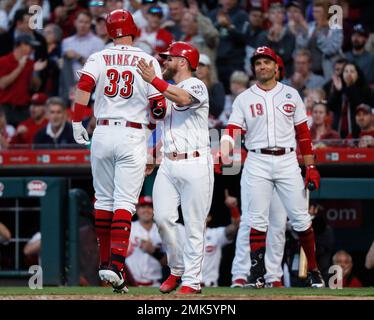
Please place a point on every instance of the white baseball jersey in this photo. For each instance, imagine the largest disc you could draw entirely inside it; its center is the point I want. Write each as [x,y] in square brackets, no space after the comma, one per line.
[185,128]
[269,116]
[215,239]
[143,266]
[120,91]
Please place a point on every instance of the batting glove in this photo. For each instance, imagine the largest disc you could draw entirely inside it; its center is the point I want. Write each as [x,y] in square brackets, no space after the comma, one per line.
[312,177]
[80,133]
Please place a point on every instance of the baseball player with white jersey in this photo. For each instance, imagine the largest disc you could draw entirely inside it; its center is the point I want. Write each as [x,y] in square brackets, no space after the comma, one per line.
[145,256]
[185,176]
[123,105]
[274,116]
[276,236]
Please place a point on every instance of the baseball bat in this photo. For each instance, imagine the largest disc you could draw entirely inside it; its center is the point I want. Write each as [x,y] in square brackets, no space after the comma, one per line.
[303,261]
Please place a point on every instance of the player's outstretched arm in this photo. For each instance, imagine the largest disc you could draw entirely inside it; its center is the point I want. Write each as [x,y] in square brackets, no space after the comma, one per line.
[173,93]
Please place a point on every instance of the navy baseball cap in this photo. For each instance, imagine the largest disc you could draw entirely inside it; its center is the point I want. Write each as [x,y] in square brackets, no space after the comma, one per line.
[359,28]
[26,39]
[295,4]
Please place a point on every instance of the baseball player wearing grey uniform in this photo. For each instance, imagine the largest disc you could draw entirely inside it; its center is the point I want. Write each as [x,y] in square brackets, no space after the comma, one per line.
[118,152]
[274,116]
[185,176]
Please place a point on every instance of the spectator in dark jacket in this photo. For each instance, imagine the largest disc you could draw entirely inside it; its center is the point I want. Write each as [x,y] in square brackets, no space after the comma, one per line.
[58,131]
[230,21]
[53,36]
[339,64]
[20,27]
[254,27]
[176,12]
[363,58]
[349,91]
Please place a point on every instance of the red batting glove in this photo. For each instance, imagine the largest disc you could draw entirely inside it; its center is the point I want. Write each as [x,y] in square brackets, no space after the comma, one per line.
[312,176]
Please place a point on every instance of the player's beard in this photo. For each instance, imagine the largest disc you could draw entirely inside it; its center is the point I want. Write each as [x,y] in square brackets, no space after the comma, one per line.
[169,73]
[266,77]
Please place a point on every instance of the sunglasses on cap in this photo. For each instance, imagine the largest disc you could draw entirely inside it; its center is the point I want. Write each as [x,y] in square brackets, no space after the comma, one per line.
[155,10]
[96,3]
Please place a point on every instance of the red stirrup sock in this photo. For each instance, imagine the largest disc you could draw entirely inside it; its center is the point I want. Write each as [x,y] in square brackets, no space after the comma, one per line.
[257,240]
[308,244]
[120,237]
[103,220]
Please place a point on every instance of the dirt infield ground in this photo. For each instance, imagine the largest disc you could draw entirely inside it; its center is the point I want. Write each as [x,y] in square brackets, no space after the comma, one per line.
[221,293]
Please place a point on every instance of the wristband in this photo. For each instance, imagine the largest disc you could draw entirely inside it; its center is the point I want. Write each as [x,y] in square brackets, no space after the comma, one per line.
[159,84]
[78,112]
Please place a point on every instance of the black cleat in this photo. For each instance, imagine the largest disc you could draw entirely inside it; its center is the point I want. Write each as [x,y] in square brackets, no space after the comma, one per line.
[256,276]
[255,283]
[315,279]
[115,278]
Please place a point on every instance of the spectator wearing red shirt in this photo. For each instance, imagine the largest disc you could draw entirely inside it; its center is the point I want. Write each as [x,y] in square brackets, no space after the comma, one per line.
[27,129]
[16,79]
[156,37]
[320,130]
[344,260]
[66,15]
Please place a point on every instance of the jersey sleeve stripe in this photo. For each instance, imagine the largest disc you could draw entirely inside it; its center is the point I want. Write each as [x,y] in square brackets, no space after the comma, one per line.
[296,123]
[154,95]
[80,72]
[236,124]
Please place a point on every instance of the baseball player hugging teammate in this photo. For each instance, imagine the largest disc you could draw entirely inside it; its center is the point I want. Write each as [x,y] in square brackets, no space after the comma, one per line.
[185,176]
[274,117]
[123,106]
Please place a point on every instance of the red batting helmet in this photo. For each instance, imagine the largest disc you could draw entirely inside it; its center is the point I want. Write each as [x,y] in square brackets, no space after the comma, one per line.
[282,70]
[185,50]
[120,23]
[263,52]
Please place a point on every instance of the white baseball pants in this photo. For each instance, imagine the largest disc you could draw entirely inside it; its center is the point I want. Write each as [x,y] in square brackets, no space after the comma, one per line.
[261,173]
[118,159]
[188,183]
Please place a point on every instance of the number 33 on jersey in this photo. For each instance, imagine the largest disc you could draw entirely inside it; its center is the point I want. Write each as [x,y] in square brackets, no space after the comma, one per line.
[121,93]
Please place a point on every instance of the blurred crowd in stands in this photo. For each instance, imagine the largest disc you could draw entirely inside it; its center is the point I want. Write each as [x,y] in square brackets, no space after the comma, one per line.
[332,67]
